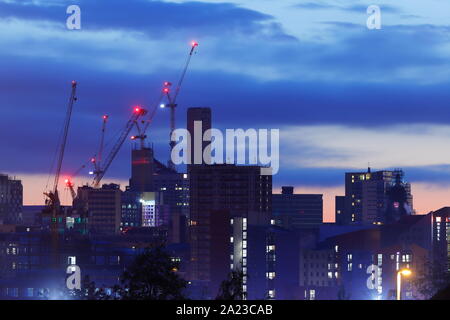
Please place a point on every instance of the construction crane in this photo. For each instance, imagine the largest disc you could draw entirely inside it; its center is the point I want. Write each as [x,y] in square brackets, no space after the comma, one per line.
[173,99]
[96,160]
[143,126]
[98,175]
[53,204]
[69,183]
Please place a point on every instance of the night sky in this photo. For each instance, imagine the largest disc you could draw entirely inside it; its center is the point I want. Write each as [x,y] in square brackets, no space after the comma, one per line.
[342,95]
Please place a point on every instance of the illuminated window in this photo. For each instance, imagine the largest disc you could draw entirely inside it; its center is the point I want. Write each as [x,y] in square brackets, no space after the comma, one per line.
[406,258]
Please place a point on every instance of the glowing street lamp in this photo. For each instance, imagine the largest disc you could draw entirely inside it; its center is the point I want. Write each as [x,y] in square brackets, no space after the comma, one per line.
[400,273]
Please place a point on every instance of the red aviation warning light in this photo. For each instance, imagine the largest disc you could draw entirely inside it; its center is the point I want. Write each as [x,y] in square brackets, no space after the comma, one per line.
[194,45]
[105,117]
[138,110]
[93,160]
[166,90]
[133,137]
[68,182]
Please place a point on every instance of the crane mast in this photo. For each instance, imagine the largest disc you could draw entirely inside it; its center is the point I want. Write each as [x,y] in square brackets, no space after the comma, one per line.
[96,160]
[98,175]
[146,123]
[69,183]
[173,100]
[53,201]
[102,140]
[53,204]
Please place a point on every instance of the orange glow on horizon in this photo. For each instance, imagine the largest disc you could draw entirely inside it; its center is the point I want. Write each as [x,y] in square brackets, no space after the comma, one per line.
[426,197]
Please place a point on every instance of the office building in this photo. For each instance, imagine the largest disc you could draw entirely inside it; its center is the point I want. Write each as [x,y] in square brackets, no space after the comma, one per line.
[297,211]
[131,209]
[440,222]
[339,209]
[142,167]
[375,197]
[201,116]
[11,200]
[103,207]
[235,191]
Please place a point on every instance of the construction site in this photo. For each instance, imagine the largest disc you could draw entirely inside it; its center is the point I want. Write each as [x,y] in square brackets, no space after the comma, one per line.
[152,210]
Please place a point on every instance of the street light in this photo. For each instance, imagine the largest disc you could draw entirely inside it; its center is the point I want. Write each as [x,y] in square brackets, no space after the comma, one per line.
[400,273]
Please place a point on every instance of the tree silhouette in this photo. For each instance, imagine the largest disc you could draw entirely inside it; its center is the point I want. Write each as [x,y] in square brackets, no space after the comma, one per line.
[231,288]
[88,291]
[152,276]
[430,278]
[443,294]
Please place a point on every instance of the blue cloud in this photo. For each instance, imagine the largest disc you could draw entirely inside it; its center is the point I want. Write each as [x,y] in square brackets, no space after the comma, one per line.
[352,81]
[357,8]
[154,18]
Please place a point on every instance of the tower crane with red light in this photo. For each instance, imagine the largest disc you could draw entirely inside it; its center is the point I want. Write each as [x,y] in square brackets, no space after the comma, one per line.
[69,182]
[103,167]
[143,125]
[96,160]
[173,99]
[52,203]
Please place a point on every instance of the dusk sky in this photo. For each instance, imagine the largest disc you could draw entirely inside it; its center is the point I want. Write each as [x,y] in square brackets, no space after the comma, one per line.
[342,95]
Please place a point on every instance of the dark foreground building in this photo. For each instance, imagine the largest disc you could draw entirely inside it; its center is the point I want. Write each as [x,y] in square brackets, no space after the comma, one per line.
[228,198]
[11,200]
